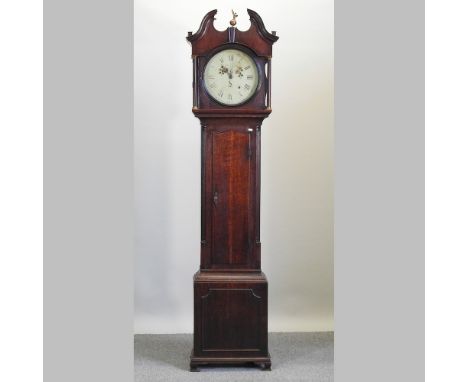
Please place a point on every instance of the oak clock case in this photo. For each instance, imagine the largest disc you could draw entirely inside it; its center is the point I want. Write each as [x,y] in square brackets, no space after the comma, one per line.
[231,97]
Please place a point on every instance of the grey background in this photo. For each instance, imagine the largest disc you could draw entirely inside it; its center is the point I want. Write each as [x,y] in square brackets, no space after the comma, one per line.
[88,191]
[297,165]
[88,273]
[379,191]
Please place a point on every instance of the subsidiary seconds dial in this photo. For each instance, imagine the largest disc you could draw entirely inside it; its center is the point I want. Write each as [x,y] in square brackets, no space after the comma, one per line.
[231,77]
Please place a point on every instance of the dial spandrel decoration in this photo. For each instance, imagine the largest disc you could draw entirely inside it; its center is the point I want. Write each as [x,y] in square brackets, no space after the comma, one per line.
[231,77]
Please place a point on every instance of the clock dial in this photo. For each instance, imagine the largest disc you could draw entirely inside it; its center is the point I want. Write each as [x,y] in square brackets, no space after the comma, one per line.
[231,77]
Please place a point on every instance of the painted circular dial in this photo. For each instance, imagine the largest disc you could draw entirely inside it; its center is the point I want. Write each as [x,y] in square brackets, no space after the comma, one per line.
[231,77]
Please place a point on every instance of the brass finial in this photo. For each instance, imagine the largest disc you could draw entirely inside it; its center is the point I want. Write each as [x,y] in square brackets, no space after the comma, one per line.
[233,22]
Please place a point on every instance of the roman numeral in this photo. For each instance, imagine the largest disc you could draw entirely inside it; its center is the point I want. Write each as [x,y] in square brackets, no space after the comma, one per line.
[247,67]
[249,77]
[221,93]
[230,97]
[246,86]
[231,57]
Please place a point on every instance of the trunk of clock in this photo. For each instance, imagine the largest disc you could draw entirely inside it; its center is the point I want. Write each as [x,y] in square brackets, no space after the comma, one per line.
[230,291]
[230,194]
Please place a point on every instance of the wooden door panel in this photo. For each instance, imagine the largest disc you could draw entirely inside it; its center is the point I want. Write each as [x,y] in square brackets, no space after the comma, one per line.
[231,188]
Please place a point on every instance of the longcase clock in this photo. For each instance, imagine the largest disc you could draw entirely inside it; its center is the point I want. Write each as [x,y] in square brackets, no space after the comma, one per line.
[231,97]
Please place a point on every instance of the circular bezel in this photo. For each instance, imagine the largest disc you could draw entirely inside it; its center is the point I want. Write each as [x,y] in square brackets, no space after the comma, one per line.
[249,55]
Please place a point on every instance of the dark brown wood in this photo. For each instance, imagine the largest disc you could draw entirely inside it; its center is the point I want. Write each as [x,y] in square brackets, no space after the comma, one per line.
[230,291]
[208,38]
[231,324]
[231,194]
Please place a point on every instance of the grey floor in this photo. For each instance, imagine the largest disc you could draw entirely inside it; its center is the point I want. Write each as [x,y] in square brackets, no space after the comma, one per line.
[294,356]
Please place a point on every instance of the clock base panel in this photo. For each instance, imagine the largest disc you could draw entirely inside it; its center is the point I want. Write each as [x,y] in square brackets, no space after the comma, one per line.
[230,321]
